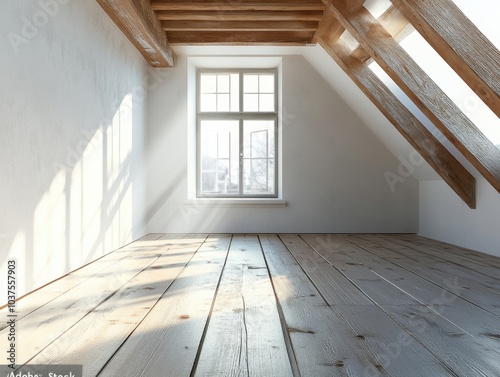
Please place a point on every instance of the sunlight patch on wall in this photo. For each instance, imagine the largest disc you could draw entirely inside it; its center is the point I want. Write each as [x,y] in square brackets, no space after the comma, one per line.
[49,230]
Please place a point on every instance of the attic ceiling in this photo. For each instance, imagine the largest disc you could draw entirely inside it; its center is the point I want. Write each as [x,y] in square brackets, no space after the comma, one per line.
[352,36]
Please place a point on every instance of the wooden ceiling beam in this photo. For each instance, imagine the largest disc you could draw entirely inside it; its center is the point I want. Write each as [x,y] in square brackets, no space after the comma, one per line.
[137,20]
[310,26]
[422,90]
[396,25]
[460,43]
[424,142]
[220,6]
[354,5]
[239,16]
[329,29]
[241,38]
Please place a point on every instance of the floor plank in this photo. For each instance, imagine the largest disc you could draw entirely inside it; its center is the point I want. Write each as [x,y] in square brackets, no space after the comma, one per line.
[184,305]
[474,287]
[480,340]
[36,299]
[244,336]
[108,326]
[53,319]
[449,304]
[167,340]
[323,343]
[396,351]
[480,265]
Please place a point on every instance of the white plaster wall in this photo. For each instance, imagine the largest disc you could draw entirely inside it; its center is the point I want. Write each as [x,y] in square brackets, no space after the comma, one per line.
[445,217]
[72,119]
[333,166]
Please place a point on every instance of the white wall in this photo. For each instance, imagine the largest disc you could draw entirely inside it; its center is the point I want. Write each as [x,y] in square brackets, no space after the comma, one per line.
[72,98]
[445,217]
[333,166]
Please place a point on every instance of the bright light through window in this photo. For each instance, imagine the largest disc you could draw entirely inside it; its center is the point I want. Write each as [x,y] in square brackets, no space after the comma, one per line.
[237,127]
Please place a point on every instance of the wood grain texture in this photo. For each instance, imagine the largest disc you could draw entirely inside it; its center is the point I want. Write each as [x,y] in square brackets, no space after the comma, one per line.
[323,343]
[240,16]
[396,25]
[239,6]
[460,44]
[420,88]
[244,336]
[43,295]
[241,38]
[445,301]
[378,339]
[106,327]
[329,29]
[424,142]
[137,20]
[474,287]
[288,305]
[354,5]
[239,26]
[481,266]
[452,315]
[48,323]
[167,341]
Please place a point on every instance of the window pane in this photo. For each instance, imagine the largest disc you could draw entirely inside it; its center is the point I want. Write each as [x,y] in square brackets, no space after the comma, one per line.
[251,83]
[251,102]
[208,102]
[266,84]
[258,154]
[219,145]
[208,84]
[223,102]
[222,83]
[235,89]
[266,102]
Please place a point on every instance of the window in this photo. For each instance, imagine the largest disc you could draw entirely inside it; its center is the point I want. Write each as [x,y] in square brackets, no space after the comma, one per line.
[237,122]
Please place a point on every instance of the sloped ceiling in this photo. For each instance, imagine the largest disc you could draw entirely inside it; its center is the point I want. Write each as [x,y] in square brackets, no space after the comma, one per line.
[352,36]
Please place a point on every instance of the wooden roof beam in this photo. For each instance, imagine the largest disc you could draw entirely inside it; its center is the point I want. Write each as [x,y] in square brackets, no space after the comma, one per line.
[424,142]
[354,5]
[460,43]
[329,29]
[281,38]
[310,26]
[422,90]
[396,25]
[239,16]
[236,6]
[137,20]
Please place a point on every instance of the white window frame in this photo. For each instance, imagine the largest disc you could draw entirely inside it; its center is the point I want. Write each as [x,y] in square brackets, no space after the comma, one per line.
[239,116]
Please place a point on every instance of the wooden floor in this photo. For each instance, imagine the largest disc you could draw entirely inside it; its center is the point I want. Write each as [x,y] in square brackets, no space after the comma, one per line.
[270,305]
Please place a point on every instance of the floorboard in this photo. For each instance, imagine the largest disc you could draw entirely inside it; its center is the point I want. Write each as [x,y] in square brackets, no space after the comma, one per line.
[287,305]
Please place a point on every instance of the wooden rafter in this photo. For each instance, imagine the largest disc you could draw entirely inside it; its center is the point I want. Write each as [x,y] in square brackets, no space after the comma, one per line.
[436,155]
[329,29]
[223,16]
[422,90]
[460,44]
[354,5]
[236,6]
[137,20]
[396,25]
[241,37]
[277,22]
[185,26]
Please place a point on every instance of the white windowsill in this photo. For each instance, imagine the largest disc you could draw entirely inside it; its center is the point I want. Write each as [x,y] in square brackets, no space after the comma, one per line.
[237,202]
